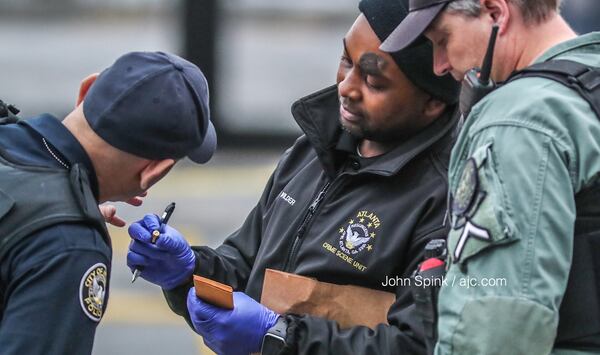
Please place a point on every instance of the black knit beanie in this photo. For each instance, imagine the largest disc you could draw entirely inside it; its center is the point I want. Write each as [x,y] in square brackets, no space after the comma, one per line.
[416,62]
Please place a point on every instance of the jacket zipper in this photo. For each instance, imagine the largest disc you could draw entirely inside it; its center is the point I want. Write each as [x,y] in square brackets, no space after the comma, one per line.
[304,225]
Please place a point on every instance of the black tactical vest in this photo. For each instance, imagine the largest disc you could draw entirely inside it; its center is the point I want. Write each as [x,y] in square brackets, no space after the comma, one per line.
[579,315]
[33,198]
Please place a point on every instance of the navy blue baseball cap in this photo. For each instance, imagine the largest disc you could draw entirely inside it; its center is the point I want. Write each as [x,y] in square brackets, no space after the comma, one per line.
[153,105]
[421,14]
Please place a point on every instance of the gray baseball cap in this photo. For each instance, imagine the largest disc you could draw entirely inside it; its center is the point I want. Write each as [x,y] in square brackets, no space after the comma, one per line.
[421,15]
[153,105]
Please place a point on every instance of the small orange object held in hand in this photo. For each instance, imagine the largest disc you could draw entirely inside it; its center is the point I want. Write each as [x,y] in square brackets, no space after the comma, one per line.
[213,292]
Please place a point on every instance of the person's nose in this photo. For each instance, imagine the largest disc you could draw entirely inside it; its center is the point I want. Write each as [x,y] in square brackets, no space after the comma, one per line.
[349,86]
[441,64]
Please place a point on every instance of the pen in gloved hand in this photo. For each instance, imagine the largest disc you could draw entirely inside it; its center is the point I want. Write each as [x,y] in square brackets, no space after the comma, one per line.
[164,219]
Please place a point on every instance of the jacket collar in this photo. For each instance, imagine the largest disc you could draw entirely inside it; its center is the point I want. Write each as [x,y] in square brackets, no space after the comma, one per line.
[59,137]
[318,116]
[592,38]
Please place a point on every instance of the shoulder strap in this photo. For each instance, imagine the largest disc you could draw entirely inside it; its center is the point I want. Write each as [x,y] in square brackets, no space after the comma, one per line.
[580,77]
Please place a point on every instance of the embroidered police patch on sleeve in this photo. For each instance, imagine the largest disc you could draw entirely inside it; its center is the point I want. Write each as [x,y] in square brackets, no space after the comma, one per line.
[467,189]
[92,291]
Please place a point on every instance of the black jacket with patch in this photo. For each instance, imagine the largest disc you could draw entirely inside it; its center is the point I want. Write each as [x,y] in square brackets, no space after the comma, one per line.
[398,198]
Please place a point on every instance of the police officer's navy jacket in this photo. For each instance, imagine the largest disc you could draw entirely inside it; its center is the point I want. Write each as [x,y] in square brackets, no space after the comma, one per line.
[393,205]
[54,250]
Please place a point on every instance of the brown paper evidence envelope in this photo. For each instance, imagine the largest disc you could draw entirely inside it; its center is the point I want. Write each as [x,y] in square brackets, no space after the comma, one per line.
[349,305]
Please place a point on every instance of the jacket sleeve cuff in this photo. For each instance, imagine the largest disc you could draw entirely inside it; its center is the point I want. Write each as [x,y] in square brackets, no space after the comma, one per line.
[292,335]
[177,298]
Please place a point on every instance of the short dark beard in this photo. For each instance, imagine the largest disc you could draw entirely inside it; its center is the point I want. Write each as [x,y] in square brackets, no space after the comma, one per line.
[361,132]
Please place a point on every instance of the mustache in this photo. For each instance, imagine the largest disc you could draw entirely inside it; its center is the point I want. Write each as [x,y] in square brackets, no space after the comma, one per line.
[348,106]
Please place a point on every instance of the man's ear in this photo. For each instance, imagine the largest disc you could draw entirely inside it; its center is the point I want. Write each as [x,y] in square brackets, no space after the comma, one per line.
[154,171]
[85,86]
[498,11]
[433,108]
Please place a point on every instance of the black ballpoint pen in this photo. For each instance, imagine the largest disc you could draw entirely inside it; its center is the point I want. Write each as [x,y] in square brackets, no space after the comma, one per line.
[164,219]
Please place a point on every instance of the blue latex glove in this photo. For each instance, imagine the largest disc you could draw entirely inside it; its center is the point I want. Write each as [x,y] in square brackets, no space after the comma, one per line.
[168,263]
[239,331]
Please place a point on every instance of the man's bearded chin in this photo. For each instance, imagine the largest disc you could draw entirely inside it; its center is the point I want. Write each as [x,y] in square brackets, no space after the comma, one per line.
[360,133]
[355,131]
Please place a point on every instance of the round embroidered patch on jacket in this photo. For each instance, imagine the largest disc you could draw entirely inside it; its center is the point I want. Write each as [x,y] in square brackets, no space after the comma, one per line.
[92,291]
[467,189]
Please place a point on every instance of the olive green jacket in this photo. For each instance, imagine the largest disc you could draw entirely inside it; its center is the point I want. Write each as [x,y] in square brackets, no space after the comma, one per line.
[523,153]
